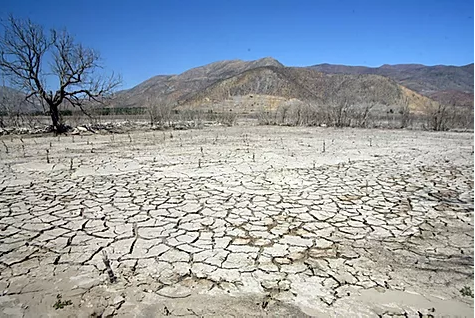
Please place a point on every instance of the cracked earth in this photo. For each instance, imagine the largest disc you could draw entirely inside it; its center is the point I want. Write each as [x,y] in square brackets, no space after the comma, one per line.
[240,221]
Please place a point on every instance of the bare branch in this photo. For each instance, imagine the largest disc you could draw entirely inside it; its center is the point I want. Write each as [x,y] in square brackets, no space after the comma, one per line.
[22,52]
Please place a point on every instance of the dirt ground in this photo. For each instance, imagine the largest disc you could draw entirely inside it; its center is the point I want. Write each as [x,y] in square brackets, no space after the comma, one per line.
[237,222]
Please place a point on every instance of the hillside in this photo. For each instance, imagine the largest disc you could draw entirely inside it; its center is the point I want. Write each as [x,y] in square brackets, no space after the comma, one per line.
[453,98]
[256,86]
[440,82]
[266,83]
[172,88]
[231,82]
[13,101]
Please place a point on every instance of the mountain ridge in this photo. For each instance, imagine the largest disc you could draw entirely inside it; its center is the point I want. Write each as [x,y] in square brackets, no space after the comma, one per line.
[427,80]
[224,80]
[442,83]
[172,88]
[307,86]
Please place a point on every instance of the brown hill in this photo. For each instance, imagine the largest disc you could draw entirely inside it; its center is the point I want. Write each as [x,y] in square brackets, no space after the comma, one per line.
[267,83]
[172,88]
[453,98]
[304,85]
[440,82]
[13,101]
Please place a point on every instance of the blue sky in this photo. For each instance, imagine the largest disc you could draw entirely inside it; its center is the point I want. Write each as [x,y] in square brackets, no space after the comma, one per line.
[140,39]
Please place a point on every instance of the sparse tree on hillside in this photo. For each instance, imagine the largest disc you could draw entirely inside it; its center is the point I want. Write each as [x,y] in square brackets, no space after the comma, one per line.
[30,57]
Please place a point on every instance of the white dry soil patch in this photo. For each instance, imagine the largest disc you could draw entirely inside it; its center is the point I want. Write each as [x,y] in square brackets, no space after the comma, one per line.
[237,222]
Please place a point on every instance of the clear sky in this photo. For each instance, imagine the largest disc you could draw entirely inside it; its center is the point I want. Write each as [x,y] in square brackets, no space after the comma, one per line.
[140,39]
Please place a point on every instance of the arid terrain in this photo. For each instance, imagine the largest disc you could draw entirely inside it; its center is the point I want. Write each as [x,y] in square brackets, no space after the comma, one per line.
[237,222]
[216,83]
[391,96]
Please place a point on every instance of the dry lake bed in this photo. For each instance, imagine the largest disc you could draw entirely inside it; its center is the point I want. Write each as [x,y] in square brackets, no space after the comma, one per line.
[237,222]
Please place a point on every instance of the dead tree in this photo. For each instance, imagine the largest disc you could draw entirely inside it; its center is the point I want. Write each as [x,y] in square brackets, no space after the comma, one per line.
[159,110]
[26,49]
[439,116]
[341,109]
[362,113]
[405,113]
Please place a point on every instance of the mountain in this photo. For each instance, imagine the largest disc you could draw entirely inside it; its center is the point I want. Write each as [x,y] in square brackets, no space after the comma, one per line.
[13,101]
[258,88]
[173,88]
[8,92]
[453,98]
[266,83]
[441,82]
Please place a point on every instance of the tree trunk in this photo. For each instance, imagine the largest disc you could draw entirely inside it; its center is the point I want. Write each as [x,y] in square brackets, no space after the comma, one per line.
[58,127]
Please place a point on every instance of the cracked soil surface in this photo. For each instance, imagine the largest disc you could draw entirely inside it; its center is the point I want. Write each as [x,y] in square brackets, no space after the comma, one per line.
[240,221]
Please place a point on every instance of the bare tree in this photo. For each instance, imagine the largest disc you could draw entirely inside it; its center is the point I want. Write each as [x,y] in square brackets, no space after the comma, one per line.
[25,49]
[283,110]
[439,114]
[361,113]
[405,113]
[159,110]
[340,111]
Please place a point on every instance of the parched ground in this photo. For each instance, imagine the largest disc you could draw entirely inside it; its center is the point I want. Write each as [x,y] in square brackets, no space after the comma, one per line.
[241,221]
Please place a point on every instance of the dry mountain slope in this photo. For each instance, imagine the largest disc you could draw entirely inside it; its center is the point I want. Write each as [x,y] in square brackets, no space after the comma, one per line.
[230,84]
[440,82]
[306,85]
[176,87]
[13,101]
